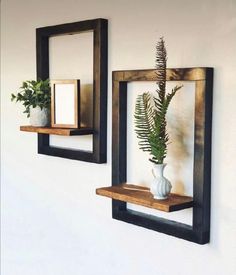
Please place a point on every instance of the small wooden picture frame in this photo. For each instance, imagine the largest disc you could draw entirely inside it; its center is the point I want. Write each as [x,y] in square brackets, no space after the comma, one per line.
[65,103]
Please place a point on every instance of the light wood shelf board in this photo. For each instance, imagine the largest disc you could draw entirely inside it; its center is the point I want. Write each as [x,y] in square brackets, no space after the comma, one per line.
[141,196]
[57,131]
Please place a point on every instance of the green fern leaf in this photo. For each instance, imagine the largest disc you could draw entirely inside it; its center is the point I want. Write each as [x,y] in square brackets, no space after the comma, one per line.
[150,112]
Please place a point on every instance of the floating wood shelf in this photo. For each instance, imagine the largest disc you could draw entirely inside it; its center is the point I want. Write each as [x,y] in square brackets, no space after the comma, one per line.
[142,196]
[58,131]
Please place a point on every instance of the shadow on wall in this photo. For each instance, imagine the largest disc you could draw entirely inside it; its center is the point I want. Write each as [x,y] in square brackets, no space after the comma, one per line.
[86,111]
[180,134]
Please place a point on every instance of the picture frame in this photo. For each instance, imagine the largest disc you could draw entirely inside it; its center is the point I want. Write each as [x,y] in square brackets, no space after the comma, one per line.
[199,231]
[65,103]
[99,27]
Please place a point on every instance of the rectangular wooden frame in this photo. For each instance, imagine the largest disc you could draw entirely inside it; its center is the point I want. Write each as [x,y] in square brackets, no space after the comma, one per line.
[199,232]
[77,103]
[99,28]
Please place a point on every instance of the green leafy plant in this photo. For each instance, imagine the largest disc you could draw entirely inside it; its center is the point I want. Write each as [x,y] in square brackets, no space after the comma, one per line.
[33,93]
[150,112]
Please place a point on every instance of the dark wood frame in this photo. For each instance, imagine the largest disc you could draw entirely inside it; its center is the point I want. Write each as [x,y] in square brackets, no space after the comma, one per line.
[99,28]
[76,83]
[199,232]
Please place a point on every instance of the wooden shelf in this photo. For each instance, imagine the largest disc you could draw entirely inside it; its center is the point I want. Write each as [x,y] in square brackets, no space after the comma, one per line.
[58,131]
[141,195]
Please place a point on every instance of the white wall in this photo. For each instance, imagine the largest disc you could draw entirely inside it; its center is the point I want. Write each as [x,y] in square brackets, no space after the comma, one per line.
[52,221]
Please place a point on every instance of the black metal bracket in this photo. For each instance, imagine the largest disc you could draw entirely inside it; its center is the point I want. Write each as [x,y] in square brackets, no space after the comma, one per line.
[99,28]
[199,232]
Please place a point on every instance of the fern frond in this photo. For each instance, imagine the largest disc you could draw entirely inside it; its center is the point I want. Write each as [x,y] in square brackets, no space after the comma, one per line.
[150,112]
[161,59]
[171,95]
[144,120]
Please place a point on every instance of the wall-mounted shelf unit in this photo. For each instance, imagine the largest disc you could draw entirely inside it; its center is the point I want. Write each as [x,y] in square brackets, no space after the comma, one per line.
[141,196]
[199,232]
[99,28]
[57,131]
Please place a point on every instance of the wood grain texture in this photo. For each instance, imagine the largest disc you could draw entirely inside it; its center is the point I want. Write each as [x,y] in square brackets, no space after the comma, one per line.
[142,196]
[57,131]
[175,74]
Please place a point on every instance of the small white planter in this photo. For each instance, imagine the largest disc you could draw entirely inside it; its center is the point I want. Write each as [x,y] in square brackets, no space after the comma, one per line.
[39,117]
[160,186]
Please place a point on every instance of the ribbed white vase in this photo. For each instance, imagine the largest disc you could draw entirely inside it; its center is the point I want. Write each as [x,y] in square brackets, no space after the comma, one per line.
[160,186]
[39,117]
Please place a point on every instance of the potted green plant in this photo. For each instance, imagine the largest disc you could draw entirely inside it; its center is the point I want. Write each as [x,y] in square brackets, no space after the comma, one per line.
[36,98]
[150,124]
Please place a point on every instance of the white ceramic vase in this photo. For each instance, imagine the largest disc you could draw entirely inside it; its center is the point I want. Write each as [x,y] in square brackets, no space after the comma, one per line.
[160,186]
[39,117]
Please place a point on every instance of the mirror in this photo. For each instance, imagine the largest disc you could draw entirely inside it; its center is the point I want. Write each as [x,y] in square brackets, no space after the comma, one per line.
[65,103]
